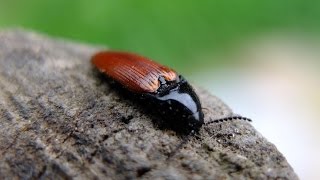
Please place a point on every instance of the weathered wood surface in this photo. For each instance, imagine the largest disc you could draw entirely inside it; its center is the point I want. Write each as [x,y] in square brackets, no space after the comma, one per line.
[59,120]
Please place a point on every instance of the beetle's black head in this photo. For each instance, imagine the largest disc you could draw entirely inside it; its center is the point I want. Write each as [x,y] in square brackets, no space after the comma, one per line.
[179,106]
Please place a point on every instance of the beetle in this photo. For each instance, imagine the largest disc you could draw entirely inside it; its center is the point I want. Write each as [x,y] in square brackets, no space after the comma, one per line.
[159,86]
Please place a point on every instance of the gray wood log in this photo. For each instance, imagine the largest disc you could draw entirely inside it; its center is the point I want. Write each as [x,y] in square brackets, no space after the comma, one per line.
[58,120]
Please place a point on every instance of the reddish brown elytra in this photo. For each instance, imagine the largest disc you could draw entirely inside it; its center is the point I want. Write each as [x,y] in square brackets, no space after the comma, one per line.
[136,73]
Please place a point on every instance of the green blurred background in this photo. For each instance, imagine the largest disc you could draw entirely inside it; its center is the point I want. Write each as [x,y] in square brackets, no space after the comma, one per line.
[278,85]
[182,34]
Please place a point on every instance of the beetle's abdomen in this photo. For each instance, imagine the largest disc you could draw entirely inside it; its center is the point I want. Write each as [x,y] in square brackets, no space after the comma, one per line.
[137,73]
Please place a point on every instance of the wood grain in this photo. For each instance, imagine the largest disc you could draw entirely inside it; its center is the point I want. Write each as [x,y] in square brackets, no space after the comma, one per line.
[59,120]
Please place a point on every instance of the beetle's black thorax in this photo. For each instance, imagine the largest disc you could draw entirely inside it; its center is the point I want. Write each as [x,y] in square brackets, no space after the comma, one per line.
[178,104]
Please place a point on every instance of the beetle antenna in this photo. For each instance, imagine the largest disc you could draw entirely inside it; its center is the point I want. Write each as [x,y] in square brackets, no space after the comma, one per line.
[230,118]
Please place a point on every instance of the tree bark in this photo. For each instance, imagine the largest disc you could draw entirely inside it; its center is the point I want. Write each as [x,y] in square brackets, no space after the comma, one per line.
[59,120]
